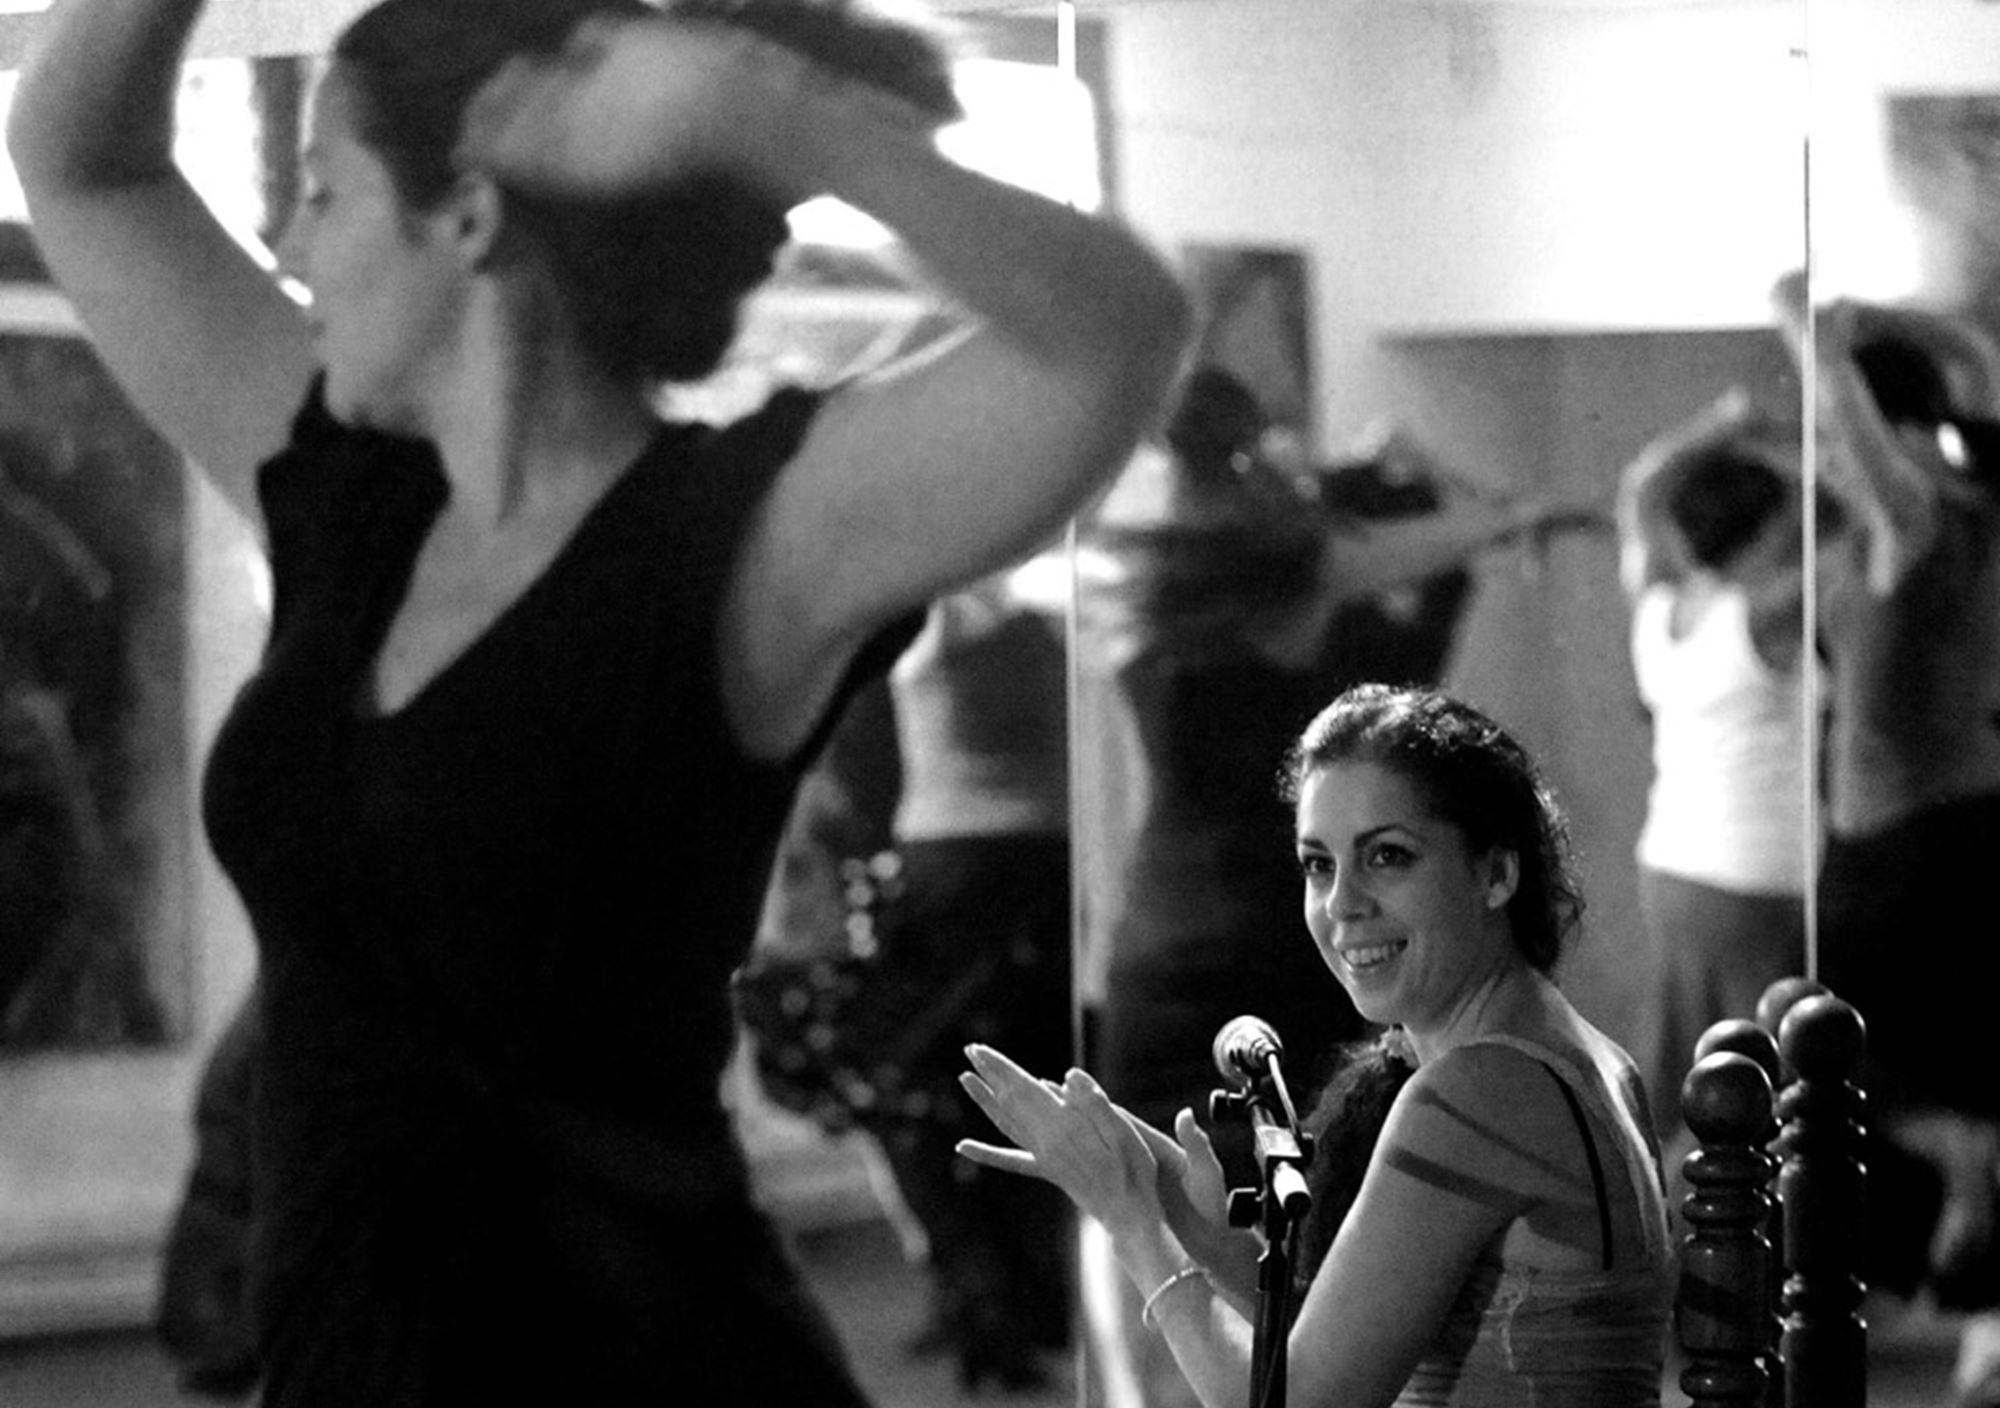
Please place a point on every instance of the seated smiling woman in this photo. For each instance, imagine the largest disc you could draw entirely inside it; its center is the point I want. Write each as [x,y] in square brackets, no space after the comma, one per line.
[1508,1242]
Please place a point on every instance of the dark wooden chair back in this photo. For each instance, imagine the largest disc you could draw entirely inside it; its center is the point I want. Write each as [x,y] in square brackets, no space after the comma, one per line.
[1768,1307]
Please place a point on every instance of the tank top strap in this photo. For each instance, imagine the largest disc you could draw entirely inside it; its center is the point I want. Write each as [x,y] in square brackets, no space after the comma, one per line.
[1603,1197]
[1585,1079]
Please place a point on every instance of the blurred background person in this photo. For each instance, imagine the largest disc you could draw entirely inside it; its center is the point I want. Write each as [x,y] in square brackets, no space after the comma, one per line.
[921,902]
[977,936]
[1403,631]
[1710,556]
[1907,397]
[73,971]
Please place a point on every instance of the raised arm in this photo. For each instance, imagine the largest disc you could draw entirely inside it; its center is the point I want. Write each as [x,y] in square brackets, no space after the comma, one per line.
[940,469]
[1893,479]
[1650,548]
[191,325]
[1366,552]
[1362,557]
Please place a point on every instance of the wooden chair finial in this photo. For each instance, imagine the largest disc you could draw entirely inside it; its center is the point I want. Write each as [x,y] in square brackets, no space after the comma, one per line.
[1723,1307]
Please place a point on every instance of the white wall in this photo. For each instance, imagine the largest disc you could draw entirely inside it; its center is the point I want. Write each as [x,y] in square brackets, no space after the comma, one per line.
[1863,49]
[1473,168]
[235,28]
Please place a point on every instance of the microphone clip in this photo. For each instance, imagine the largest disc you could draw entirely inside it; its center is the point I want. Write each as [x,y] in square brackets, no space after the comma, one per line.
[1246,1105]
[1282,1150]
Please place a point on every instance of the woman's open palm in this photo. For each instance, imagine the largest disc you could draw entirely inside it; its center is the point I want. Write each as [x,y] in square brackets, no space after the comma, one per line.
[1070,1134]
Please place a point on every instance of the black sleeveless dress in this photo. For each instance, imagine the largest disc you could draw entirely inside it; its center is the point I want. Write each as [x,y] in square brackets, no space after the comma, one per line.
[496,929]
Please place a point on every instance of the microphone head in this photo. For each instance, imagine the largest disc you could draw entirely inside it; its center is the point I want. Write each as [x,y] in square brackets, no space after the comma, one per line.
[1245,1048]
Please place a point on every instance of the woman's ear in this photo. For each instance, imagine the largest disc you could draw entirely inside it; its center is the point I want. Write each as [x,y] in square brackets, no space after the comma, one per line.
[476,213]
[1503,876]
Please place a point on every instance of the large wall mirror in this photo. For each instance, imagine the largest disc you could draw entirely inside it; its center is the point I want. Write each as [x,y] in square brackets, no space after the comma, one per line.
[1468,258]
[1531,238]
[1522,237]
[126,949]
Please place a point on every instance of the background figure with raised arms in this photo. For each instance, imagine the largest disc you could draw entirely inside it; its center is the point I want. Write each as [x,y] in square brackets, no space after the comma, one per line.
[1906,397]
[1711,557]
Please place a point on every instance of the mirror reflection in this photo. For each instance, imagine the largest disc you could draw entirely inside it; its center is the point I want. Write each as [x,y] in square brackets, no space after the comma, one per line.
[102,949]
[1519,272]
[1898,335]
[91,713]
[1596,308]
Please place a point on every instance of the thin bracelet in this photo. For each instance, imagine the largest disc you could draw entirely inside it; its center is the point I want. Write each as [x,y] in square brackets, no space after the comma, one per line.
[1146,1310]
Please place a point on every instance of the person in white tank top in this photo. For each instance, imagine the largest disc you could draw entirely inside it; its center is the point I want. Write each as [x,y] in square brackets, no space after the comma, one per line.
[1709,557]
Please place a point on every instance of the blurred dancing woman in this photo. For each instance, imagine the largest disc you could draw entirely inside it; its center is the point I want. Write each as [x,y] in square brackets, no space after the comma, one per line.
[1710,532]
[1906,399]
[543,669]
[1908,405]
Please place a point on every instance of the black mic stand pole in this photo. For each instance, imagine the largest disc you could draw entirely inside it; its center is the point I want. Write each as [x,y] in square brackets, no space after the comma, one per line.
[1282,1151]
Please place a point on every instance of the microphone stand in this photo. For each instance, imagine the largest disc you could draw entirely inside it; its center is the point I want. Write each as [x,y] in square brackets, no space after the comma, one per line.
[1282,1150]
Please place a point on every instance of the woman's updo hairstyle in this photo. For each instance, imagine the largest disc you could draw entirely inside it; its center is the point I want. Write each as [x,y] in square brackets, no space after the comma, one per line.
[654,283]
[1472,774]
[1722,503]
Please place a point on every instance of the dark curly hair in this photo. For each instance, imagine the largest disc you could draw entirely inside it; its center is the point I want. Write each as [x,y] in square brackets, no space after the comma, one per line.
[1723,502]
[1473,774]
[1346,1122]
[655,283]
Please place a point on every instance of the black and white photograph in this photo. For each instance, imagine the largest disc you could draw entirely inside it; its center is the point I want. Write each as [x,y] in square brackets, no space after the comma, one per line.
[999,703]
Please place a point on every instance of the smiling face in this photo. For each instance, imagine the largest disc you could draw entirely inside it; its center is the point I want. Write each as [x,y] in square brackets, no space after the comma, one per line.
[1410,920]
[386,283]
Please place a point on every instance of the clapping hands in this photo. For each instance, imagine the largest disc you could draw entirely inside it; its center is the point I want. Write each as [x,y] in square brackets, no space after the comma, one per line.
[1114,1166]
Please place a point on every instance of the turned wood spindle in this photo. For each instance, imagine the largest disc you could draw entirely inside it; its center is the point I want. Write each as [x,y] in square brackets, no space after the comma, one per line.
[1778,999]
[1759,1042]
[1821,1192]
[1746,1038]
[1723,1310]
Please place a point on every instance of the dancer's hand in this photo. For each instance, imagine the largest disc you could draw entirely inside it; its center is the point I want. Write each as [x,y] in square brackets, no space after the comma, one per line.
[632,105]
[1894,479]
[626,105]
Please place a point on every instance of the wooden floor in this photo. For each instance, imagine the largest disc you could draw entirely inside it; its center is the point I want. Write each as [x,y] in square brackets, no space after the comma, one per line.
[878,1298]
[874,1293]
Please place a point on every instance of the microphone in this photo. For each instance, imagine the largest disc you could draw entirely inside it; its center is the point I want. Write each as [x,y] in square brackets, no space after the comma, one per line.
[1246,1050]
